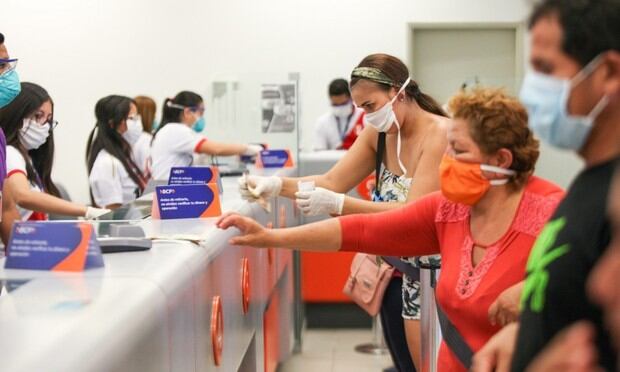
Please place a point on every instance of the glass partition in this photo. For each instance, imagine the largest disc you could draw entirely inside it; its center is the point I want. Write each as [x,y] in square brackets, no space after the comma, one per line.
[261,108]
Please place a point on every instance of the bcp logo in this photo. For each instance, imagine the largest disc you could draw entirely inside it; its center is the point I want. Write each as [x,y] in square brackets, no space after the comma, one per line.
[167,191]
[25,230]
[178,171]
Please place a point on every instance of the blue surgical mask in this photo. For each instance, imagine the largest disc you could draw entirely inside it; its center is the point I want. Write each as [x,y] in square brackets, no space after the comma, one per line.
[546,100]
[199,125]
[9,87]
[154,126]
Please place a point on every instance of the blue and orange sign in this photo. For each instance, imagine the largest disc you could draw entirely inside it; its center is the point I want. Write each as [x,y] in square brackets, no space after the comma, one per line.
[55,246]
[187,201]
[195,175]
[192,175]
[275,159]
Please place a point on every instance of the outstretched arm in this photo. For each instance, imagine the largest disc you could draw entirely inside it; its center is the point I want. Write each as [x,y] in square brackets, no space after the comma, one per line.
[408,231]
[221,148]
[17,187]
[351,169]
[323,236]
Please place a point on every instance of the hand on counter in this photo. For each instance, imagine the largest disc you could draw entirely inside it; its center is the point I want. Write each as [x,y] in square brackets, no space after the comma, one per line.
[93,213]
[252,233]
[256,187]
[319,201]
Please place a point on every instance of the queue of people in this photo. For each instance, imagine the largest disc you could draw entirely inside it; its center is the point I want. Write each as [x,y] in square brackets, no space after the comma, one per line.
[517,253]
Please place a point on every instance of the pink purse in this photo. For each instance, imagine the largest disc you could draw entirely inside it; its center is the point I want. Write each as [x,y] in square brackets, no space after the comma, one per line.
[369,278]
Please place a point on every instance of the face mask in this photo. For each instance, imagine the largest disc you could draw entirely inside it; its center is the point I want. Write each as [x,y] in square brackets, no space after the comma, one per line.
[546,100]
[199,125]
[9,87]
[134,131]
[464,183]
[154,126]
[33,135]
[383,119]
[341,111]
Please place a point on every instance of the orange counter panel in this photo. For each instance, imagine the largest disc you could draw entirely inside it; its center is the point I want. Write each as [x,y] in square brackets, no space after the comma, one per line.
[271,323]
[324,276]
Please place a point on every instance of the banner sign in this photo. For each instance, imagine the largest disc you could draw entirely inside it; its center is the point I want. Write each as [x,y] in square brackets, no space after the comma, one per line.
[55,246]
[187,201]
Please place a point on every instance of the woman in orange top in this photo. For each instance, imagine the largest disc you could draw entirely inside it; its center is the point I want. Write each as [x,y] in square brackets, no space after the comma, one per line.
[483,222]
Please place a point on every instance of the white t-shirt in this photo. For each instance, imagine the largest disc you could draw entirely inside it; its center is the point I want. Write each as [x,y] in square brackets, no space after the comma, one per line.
[15,163]
[142,151]
[109,181]
[329,131]
[173,146]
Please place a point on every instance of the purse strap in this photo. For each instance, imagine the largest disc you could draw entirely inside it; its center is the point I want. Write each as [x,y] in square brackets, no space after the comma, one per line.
[379,161]
[395,262]
[450,334]
[405,268]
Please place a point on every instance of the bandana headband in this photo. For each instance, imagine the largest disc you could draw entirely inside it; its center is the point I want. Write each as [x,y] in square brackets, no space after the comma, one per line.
[373,74]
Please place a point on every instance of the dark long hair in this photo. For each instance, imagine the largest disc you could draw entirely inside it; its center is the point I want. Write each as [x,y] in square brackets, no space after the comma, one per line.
[396,70]
[38,161]
[173,114]
[110,112]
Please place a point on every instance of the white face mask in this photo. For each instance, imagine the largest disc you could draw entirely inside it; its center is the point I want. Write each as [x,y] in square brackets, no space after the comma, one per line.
[342,111]
[546,99]
[383,119]
[32,135]
[134,130]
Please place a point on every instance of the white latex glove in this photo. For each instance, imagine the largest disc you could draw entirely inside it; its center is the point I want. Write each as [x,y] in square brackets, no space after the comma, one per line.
[256,187]
[319,201]
[252,150]
[92,212]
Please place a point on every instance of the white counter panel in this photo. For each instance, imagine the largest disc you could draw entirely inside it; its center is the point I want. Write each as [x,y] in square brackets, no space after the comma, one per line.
[145,311]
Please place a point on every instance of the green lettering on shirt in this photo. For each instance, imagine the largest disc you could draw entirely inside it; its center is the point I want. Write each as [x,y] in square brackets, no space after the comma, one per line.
[542,255]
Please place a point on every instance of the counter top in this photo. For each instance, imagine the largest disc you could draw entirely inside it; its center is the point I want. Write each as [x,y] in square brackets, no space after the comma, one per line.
[50,320]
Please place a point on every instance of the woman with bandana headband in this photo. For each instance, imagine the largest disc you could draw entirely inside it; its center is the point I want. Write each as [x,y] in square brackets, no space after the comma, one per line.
[411,127]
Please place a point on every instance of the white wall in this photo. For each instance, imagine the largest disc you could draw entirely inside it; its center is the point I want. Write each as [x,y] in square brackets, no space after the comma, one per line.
[82,50]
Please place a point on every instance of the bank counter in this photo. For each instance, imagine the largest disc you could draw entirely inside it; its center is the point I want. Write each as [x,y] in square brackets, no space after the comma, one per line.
[190,303]
[323,274]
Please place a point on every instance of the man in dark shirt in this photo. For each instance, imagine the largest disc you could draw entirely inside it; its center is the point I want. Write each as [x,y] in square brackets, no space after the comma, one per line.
[602,286]
[573,240]
[573,98]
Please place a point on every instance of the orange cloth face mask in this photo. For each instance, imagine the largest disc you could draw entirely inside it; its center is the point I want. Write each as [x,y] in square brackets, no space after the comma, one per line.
[464,183]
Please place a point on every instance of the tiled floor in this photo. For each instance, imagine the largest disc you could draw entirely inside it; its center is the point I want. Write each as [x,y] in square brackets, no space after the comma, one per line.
[333,351]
